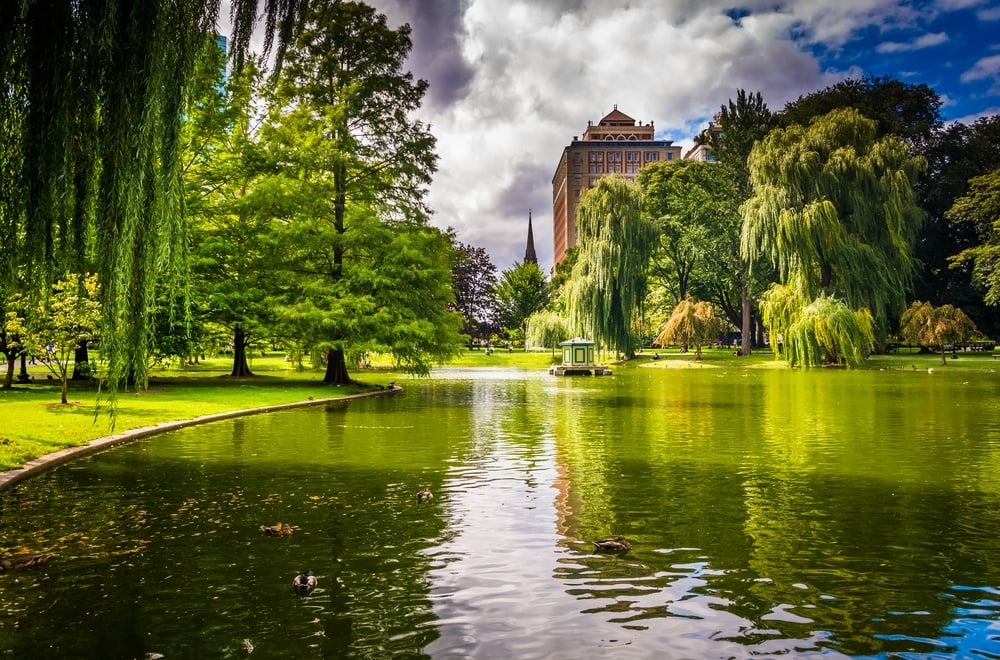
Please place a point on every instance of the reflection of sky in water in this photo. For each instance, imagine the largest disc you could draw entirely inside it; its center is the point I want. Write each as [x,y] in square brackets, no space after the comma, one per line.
[765,522]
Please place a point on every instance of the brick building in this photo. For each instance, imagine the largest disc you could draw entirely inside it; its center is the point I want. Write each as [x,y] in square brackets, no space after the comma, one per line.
[617,144]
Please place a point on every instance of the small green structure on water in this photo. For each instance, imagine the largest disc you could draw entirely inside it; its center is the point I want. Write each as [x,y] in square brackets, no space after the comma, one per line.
[578,360]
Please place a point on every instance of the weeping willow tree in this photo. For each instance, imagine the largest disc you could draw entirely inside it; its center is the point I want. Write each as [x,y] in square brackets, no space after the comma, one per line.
[925,325]
[546,328]
[608,282]
[828,332]
[834,211]
[691,323]
[90,113]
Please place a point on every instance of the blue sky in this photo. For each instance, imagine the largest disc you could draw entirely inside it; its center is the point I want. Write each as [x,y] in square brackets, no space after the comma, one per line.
[512,81]
[954,51]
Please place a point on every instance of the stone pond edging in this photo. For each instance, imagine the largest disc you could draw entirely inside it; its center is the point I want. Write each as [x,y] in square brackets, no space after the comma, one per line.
[43,463]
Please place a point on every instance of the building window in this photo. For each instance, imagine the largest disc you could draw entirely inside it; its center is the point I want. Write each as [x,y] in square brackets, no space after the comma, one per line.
[577,157]
[652,156]
[596,156]
[577,168]
[631,168]
[576,180]
[614,156]
[597,168]
[632,156]
[593,181]
[615,167]
[670,156]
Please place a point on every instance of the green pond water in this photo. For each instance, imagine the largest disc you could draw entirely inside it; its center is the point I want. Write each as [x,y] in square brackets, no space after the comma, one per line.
[773,513]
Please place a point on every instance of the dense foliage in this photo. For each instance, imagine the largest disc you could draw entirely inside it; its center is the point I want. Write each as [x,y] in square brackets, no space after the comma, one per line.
[834,211]
[608,282]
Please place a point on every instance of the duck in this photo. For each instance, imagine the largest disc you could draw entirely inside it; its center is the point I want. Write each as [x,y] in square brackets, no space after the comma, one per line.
[424,496]
[281,529]
[304,581]
[613,545]
[24,562]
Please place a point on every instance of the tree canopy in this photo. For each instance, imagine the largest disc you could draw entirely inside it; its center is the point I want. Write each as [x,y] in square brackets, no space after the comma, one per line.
[834,211]
[473,279]
[349,164]
[695,206]
[923,324]
[980,209]
[691,323]
[608,281]
[911,112]
[91,110]
[521,291]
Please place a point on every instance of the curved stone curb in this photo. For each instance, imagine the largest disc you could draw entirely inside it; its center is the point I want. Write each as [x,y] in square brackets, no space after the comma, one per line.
[10,477]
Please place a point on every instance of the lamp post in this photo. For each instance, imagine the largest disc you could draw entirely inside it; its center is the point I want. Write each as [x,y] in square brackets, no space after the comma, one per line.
[23,377]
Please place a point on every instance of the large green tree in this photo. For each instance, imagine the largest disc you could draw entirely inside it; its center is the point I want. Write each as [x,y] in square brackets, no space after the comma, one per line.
[521,291]
[230,208]
[909,111]
[980,209]
[834,211]
[695,205]
[958,154]
[349,162]
[608,281]
[91,105]
[473,279]
[739,125]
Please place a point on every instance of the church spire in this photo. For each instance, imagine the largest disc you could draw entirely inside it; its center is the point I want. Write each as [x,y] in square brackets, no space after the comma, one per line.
[529,251]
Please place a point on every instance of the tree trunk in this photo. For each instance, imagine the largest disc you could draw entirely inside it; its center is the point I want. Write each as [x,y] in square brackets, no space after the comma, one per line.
[240,367]
[746,343]
[64,380]
[336,368]
[81,362]
[8,380]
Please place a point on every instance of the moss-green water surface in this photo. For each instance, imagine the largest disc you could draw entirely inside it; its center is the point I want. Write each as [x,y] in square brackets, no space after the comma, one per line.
[771,512]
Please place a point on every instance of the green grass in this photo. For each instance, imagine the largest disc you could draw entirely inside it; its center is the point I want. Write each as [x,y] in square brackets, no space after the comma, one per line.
[34,423]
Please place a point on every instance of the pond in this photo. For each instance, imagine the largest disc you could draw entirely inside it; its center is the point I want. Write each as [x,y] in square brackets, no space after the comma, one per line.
[771,512]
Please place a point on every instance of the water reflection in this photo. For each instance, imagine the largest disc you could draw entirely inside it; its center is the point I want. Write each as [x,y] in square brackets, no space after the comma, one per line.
[771,513]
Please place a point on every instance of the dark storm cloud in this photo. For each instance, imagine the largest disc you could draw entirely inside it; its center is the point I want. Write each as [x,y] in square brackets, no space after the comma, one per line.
[531,188]
[436,55]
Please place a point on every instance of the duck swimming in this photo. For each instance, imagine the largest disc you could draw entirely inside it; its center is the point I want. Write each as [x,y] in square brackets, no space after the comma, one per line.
[424,496]
[24,562]
[304,581]
[281,529]
[613,545]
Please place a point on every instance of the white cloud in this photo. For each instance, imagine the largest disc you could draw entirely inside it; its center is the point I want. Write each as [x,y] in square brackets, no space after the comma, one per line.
[970,119]
[989,14]
[987,67]
[543,70]
[921,42]
[512,81]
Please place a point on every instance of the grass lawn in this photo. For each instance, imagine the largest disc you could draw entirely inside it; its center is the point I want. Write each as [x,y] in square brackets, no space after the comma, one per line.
[33,422]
